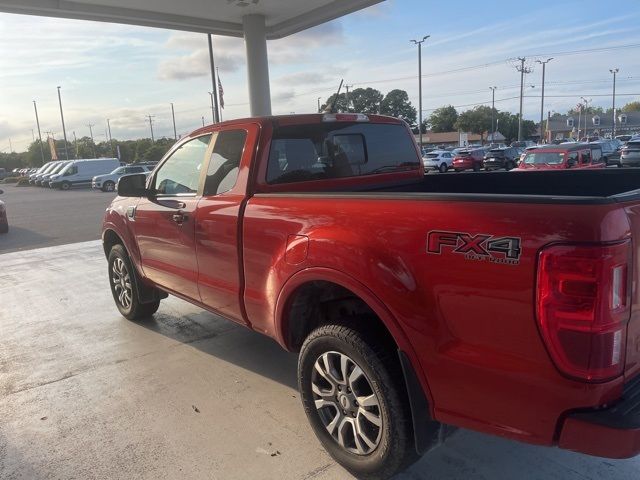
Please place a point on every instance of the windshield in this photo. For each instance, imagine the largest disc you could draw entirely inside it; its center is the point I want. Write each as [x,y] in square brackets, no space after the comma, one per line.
[58,167]
[118,170]
[432,155]
[544,158]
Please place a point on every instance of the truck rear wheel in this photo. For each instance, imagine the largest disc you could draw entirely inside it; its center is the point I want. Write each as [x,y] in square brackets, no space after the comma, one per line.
[125,284]
[108,186]
[354,397]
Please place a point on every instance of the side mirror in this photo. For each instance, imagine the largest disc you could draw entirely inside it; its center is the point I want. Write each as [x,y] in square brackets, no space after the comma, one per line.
[571,163]
[133,185]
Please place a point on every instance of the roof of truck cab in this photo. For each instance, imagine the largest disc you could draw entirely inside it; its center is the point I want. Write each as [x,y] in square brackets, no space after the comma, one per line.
[300,119]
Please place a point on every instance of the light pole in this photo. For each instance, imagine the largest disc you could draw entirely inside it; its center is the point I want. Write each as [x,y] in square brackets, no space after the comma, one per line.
[213,111]
[319,104]
[615,72]
[173,117]
[586,108]
[523,70]
[544,65]
[35,107]
[64,131]
[214,95]
[493,111]
[419,43]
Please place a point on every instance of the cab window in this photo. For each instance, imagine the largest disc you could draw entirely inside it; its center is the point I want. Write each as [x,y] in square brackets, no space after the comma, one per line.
[225,161]
[586,157]
[180,173]
[572,159]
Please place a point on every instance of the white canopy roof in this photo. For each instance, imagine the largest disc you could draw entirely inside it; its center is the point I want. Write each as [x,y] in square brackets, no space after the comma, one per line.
[220,17]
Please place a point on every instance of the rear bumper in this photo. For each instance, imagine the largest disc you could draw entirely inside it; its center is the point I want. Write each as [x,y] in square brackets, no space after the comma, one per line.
[612,433]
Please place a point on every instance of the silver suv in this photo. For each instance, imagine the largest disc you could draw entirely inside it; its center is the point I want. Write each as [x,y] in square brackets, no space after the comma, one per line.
[107,183]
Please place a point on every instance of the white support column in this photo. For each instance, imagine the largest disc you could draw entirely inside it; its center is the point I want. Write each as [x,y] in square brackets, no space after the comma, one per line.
[255,41]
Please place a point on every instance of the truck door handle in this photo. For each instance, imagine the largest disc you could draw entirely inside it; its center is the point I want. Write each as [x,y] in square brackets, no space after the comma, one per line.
[180,217]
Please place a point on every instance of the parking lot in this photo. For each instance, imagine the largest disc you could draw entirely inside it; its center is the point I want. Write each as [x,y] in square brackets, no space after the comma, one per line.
[40,217]
[85,393]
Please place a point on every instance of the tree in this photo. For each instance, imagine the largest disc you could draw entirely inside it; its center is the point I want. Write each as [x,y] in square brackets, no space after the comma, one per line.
[477,120]
[397,104]
[340,106]
[631,107]
[443,119]
[365,100]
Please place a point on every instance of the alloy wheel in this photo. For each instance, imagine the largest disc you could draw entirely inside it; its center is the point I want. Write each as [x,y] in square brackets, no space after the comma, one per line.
[346,403]
[121,282]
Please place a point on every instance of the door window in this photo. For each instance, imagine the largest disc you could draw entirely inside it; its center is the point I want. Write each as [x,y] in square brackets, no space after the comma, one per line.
[180,173]
[586,157]
[225,161]
[71,171]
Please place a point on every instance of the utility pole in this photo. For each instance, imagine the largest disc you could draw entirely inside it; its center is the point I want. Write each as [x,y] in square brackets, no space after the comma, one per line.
[213,111]
[93,144]
[75,143]
[173,117]
[347,95]
[110,138]
[150,117]
[419,43]
[544,64]
[493,111]
[523,71]
[216,112]
[64,131]
[35,107]
[615,72]
[547,131]
[203,120]
[319,104]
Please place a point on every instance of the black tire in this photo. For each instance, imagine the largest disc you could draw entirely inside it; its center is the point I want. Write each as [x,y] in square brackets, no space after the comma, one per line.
[458,170]
[619,165]
[108,186]
[476,167]
[509,166]
[65,185]
[132,309]
[443,168]
[395,447]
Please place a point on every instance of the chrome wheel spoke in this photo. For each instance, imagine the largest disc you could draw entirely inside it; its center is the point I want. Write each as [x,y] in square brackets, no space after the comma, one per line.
[371,417]
[368,401]
[121,283]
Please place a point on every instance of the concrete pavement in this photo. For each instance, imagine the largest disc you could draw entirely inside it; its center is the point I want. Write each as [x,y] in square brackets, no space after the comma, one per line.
[87,394]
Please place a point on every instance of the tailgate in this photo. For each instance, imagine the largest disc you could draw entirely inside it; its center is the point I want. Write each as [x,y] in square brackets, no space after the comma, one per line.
[632,366]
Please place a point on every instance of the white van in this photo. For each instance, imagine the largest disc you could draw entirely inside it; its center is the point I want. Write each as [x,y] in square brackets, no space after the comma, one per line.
[78,173]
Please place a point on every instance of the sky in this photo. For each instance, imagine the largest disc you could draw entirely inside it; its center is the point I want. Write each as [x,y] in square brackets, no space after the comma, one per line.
[125,73]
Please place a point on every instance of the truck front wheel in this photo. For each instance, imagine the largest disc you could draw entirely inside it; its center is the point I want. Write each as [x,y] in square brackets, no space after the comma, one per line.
[356,402]
[125,284]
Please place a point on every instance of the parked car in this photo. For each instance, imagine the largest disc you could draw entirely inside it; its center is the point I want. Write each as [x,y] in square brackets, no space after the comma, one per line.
[437,160]
[45,180]
[554,157]
[34,176]
[4,223]
[517,318]
[469,159]
[498,158]
[522,143]
[610,152]
[630,154]
[79,173]
[107,183]
[624,138]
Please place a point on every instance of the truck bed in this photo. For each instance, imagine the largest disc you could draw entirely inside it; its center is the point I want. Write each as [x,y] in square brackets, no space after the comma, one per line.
[582,186]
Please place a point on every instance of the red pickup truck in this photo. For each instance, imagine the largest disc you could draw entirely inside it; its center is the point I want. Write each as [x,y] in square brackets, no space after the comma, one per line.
[507,304]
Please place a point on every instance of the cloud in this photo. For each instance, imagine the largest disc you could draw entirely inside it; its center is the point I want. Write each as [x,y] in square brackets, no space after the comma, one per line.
[190,51]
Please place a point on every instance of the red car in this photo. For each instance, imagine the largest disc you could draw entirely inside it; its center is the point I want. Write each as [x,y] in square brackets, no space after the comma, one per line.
[554,157]
[501,303]
[471,159]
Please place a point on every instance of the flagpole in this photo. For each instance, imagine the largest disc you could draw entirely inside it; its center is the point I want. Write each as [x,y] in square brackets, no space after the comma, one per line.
[218,104]
[213,79]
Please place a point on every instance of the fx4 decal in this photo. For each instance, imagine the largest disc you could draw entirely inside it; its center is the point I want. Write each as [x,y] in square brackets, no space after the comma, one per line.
[505,250]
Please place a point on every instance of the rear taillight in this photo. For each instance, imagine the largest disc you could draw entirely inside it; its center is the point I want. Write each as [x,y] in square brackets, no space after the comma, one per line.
[583,306]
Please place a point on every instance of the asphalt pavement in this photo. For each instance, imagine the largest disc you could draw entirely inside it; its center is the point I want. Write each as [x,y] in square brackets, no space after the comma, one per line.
[86,394]
[40,217]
